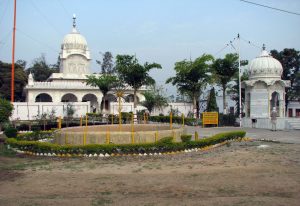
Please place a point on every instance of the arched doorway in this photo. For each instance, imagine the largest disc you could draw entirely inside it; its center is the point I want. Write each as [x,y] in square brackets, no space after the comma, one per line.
[43,97]
[274,102]
[130,98]
[94,101]
[69,98]
[108,99]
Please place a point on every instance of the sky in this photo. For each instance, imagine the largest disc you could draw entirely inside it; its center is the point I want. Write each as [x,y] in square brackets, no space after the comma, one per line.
[161,31]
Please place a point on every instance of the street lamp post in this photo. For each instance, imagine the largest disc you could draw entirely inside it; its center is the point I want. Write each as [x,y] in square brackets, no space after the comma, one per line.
[240,89]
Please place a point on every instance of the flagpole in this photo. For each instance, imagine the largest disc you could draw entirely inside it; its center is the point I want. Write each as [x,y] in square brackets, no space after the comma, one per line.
[13,55]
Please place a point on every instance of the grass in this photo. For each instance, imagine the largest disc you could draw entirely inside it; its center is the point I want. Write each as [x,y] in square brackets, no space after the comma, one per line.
[101,201]
[4,152]
[22,165]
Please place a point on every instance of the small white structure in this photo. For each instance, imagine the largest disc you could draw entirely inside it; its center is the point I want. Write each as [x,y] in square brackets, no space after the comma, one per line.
[263,91]
[69,86]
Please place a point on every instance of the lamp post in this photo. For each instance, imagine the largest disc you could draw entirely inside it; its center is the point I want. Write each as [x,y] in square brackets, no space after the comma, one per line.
[240,89]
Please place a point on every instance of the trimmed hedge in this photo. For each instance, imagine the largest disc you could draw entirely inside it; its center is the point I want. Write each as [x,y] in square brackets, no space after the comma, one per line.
[186,138]
[36,135]
[11,132]
[164,145]
[175,119]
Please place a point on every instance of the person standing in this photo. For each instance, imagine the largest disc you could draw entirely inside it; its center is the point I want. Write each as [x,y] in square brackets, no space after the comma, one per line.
[274,119]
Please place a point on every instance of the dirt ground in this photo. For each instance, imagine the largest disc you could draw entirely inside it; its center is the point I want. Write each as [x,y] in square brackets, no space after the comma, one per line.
[240,173]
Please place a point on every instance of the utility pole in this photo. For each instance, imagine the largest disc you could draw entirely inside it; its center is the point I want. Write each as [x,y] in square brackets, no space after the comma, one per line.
[13,55]
[240,89]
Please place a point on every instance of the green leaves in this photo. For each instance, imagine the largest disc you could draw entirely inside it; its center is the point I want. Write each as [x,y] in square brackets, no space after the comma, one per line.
[104,82]
[6,109]
[192,76]
[153,98]
[133,73]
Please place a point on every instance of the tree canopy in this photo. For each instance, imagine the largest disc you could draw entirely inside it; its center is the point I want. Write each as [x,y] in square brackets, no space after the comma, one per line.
[192,77]
[212,102]
[5,80]
[223,71]
[290,60]
[154,98]
[107,63]
[41,70]
[104,82]
[133,73]
[6,109]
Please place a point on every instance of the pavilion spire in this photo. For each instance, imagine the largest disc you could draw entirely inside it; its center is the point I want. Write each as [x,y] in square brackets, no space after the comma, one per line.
[74,21]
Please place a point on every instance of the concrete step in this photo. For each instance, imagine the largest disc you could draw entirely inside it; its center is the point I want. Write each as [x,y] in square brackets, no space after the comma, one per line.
[294,123]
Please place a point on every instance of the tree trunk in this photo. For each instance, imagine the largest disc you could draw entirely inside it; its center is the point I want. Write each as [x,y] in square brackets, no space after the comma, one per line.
[224,100]
[197,108]
[134,106]
[194,106]
[102,104]
[134,99]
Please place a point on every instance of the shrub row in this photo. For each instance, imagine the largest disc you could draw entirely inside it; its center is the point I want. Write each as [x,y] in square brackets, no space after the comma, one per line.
[35,135]
[164,145]
[175,119]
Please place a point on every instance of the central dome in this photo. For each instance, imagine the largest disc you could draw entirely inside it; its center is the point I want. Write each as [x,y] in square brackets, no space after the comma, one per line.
[74,40]
[265,66]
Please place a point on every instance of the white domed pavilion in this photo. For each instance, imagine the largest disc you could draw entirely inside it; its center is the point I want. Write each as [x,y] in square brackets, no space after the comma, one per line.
[263,91]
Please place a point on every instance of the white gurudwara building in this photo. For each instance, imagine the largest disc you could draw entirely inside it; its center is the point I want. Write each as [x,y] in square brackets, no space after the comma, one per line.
[264,91]
[69,87]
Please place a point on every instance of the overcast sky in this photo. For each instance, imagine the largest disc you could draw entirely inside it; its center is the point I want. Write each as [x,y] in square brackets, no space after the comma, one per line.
[163,31]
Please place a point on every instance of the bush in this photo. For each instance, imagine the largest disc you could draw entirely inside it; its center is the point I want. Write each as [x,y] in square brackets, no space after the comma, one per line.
[164,145]
[6,109]
[165,140]
[36,135]
[10,132]
[175,119]
[186,138]
[227,119]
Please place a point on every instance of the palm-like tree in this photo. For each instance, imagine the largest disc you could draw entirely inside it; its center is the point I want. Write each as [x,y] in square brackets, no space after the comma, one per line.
[134,74]
[192,77]
[153,99]
[224,71]
[104,82]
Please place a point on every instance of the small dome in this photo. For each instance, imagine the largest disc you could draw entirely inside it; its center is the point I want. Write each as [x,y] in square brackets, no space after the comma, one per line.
[74,40]
[265,66]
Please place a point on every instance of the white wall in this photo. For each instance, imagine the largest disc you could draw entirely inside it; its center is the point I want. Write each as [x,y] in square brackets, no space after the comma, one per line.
[28,111]
[182,107]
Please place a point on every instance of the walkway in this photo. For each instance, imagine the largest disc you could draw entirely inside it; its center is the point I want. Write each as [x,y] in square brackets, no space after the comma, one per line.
[288,136]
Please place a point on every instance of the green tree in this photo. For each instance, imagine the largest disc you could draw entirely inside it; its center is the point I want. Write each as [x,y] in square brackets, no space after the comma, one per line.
[290,60]
[153,98]
[212,102]
[134,74]
[41,70]
[104,82]
[107,64]
[6,109]
[224,71]
[192,77]
[5,80]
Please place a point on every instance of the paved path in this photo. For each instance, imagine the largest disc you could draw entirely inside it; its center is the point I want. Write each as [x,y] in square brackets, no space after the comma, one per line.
[288,136]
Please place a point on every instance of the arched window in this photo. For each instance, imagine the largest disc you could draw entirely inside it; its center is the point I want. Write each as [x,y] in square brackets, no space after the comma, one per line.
[93,99]
[274,102]
[43,97]
[130,98]
[69,98]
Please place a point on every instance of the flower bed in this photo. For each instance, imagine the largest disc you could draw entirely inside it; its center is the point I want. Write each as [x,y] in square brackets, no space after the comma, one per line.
[165,145]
